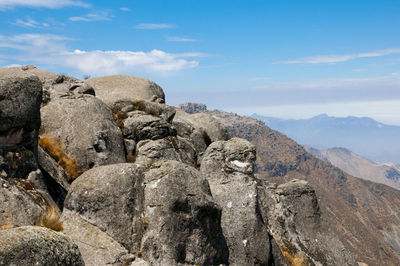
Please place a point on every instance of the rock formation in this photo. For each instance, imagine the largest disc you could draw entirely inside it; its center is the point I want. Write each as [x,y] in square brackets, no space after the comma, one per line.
[139,182]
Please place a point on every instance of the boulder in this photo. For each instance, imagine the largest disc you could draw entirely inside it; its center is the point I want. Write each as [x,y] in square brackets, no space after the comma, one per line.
[117,88]
[163,111]
[182,220]
[31,245]
[109,198]
[228,167]
[96,246]
[80,134]
[291,214]
[140,126]
[168,148]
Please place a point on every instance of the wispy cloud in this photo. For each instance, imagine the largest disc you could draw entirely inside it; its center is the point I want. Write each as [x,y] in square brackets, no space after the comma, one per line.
[321,59]
[8,4]
[47,49]
[30,23]
[98,16]
[144,26]
[258,78]
[126,9]
[180,39]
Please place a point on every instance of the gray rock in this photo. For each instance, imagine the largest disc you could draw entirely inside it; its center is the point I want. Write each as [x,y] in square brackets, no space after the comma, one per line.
[97,247]
[80,134]
[31,245]
[228,166]
[108,197]
[291,213]
[17,206]
[117,88]
[53,168]
[20,98]
[163,111]
[182,221]
[192,108]
[140,126]
[168,148]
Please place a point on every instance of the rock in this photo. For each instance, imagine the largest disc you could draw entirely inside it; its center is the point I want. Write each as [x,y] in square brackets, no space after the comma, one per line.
[53,168]
[192,108]
[163,111]
[140,126]
[31,245]
[215,130]
[17,207]
[182,220]
[80,134]
[108,197]
[117,88]
[228,166]
[20,98]
[97,247]
[291,213]
[168,148]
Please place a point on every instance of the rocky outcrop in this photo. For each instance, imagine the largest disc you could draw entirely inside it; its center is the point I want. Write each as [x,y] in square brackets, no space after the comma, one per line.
[147,184]
[30,245]
[228,167]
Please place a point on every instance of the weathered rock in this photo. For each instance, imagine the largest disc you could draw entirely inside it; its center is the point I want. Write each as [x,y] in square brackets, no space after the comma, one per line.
[109,198]
[97,247]
[228,166]
[192,108]
[182,220]
[80,134]
[54,85]
[140,126]
[163,111]
[292,215]
[31,245]
[17,207]
[117,88]
[168,148]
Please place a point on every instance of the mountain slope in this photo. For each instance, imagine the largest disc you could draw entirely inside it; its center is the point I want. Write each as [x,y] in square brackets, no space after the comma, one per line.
[365,215]
[371,139]
[355,165]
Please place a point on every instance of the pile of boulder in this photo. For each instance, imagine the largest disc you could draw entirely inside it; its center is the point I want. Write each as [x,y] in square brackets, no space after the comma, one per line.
[135,181]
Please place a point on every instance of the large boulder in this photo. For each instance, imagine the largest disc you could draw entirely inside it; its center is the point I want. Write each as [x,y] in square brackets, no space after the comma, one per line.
[228,166]
[291,213]
[182,220]
[107,197]
[80,134]
[117,88]
[31,245]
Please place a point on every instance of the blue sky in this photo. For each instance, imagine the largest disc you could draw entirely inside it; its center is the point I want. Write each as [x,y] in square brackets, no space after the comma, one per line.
[290,59]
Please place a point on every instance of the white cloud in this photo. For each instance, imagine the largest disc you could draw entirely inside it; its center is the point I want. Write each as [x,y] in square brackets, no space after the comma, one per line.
[31,23]
[126,9]
[7,4]
[320,59]
[154,26]
[99,16]
[180,39]
[46,49]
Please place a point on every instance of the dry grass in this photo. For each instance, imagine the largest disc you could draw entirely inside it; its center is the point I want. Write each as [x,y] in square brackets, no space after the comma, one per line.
[50,219]
[6,226]
[292,258]
[56,150]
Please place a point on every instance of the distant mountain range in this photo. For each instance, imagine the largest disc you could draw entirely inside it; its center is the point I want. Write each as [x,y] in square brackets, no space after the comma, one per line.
[355,165]
[369,138]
